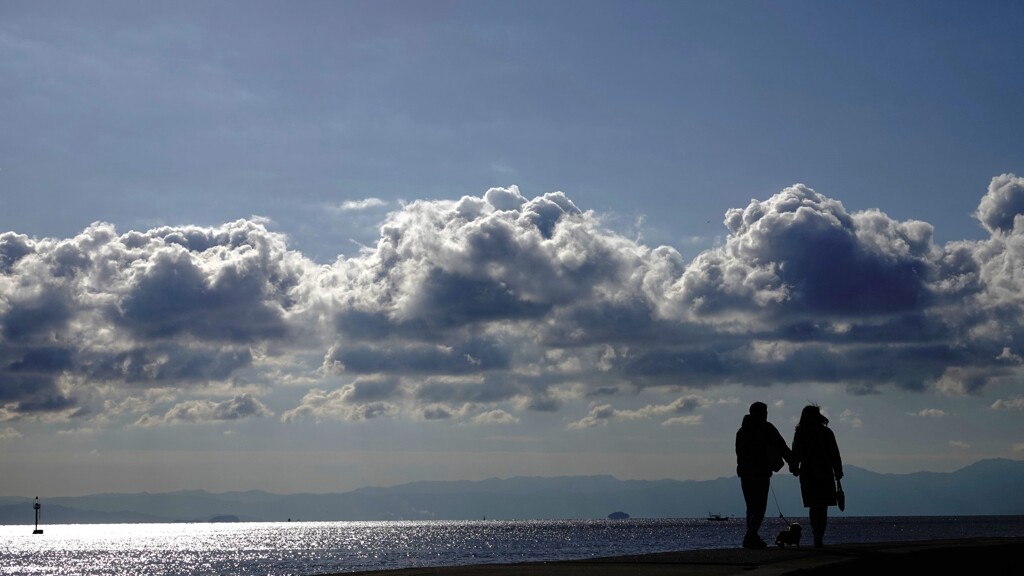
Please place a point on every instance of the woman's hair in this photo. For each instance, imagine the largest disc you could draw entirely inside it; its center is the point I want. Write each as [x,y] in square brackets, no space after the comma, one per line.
[811,416]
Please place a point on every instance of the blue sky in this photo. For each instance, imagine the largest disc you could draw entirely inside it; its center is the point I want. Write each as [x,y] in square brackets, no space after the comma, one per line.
[320,245]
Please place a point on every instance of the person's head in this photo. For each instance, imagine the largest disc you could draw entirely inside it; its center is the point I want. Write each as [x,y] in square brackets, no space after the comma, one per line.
[811,416]
[759,410]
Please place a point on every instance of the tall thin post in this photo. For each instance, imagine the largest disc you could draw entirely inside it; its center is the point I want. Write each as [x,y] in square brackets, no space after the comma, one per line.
[36,507]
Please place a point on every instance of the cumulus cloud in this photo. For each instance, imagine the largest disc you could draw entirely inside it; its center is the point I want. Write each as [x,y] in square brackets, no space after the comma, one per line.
[599,415]
[486,305]
[173,306]
[201,411]
[362,400]
[12,248]
[495,417]
[930,413]
[964,380]
[861,264]
[1014,403]
[1001,205]
[680,411]
[9,433]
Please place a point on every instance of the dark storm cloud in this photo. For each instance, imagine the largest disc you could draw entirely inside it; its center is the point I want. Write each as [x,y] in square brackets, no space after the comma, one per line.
[466,309]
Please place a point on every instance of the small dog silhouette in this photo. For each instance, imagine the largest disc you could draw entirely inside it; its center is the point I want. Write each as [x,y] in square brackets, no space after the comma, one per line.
[790,537]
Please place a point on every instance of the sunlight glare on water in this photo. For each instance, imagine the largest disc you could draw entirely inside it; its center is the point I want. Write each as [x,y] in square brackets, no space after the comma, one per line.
[306,548]
[316,547]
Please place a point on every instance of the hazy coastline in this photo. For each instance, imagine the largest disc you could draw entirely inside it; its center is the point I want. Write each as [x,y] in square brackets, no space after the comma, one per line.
[987,487]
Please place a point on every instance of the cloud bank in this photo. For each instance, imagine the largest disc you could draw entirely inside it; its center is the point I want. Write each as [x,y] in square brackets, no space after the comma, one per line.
[485,307]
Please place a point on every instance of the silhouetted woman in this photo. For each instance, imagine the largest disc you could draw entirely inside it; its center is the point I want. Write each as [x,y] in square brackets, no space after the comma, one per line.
[818,465]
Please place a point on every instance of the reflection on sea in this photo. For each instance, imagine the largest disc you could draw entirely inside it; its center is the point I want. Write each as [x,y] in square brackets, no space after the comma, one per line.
[319,547]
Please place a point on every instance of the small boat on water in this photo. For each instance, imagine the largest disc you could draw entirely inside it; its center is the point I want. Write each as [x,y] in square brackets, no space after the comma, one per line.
[717,518]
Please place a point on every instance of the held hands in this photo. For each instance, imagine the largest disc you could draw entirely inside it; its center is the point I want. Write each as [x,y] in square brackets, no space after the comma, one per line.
[794,469]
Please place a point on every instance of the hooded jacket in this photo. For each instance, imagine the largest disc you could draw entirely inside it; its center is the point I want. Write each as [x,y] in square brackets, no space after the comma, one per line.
[760,449]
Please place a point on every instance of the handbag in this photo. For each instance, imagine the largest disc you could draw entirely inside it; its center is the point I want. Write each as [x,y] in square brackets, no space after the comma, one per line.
[840,496]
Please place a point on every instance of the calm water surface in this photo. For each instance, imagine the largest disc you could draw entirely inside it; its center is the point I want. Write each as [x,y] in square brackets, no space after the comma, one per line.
[306,548]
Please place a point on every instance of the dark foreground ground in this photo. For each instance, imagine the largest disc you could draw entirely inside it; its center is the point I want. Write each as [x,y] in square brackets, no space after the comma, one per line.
[982,556]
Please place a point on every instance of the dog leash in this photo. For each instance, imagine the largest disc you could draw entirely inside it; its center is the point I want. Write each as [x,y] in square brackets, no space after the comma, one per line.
[779,508]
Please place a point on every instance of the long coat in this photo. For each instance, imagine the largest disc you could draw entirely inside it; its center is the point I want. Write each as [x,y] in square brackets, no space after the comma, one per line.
[817,455]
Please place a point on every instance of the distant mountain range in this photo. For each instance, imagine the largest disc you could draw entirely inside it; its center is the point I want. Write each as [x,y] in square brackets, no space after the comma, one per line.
[988,487]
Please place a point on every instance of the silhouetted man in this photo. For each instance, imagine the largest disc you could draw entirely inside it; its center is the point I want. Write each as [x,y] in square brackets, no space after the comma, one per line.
[760,450]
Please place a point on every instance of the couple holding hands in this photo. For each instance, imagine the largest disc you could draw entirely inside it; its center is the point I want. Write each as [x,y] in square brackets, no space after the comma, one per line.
[814,458]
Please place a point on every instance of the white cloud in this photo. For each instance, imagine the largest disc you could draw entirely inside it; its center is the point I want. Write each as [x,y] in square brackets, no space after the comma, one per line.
[341,404]
[929,413]
[8,433]
[364,204]
[961,381]
[173,306]
[599,415]
[681,411]
[202,411]
[502,300]
[850,418]
[1014,403]
[692,420]
[1003,203]
[495,417]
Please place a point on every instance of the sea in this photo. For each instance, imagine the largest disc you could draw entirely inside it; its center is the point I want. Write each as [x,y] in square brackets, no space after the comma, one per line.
[313,548]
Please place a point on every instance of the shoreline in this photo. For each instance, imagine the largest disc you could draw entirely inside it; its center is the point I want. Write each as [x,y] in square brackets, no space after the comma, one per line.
[839,560]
